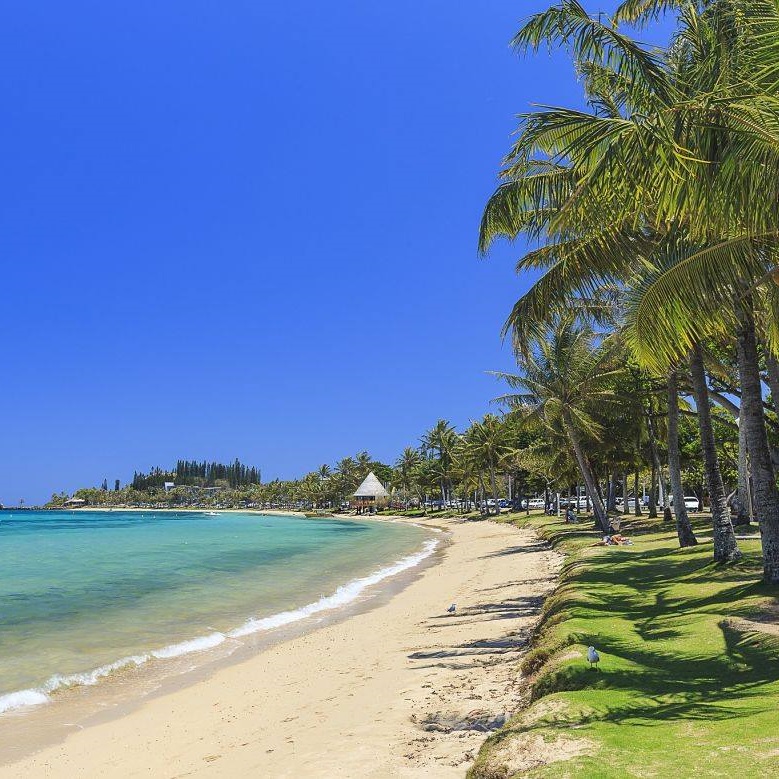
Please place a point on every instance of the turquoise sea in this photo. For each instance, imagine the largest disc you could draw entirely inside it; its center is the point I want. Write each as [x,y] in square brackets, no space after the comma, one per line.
[84,595]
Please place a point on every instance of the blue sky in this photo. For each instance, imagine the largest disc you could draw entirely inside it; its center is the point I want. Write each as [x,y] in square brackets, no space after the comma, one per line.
[248,229]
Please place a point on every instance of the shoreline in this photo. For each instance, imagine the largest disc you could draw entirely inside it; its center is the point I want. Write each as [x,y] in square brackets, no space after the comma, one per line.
[313,688]
[206,649]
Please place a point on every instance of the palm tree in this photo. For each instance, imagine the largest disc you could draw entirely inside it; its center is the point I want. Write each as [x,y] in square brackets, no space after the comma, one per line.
[725,547]
[752,417]
[566,378]
[363,464]
[346,477]
[406,467]
[486,444]
[683,526]
[347,467]
[442,440]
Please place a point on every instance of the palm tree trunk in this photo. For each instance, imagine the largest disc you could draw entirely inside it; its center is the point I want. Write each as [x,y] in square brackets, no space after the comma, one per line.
[725,546]
[483,494]
[494,485]
[657,469]
[665,496]
[637,507]
[683,527]
[625,492]
[653,493]
[589,477]
[611,500]
[742,501]
[763,478]
[772,366]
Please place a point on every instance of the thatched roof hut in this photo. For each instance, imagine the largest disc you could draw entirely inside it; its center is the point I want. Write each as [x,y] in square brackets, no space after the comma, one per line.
[370,493]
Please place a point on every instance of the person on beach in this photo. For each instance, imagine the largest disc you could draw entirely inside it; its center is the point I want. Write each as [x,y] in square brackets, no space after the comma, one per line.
[570,516]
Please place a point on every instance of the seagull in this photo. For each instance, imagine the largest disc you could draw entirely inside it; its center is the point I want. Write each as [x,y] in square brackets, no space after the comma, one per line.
[452,609]
[593,657]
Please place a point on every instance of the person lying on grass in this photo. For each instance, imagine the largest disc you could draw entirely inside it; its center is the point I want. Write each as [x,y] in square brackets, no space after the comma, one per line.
[615,540]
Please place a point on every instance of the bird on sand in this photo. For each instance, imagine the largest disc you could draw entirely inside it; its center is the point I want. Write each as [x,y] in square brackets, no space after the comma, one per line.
[593,657]
[452,609]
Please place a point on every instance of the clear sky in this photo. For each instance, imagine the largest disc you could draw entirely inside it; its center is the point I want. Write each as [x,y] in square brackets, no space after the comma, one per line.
[240,228]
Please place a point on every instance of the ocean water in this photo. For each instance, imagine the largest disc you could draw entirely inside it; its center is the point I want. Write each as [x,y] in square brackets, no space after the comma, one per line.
[85,595]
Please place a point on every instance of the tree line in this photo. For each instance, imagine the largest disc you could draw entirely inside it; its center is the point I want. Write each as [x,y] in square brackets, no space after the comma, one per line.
[199,474]
[206,474]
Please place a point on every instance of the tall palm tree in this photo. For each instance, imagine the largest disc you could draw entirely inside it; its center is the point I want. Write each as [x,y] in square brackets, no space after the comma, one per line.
[324,475]
[406,467]
[486,444]
[752,418]
[363,464]
[683,526]
[566,380]
[346,475]
[441,441]
[725,546]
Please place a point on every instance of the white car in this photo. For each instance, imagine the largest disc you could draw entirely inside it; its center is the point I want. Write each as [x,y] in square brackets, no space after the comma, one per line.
[535,503]
[691,502]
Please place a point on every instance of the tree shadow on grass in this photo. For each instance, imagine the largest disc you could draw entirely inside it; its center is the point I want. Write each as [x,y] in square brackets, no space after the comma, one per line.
[643,612]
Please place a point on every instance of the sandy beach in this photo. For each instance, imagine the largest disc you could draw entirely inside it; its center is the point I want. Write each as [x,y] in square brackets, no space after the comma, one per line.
[399,690]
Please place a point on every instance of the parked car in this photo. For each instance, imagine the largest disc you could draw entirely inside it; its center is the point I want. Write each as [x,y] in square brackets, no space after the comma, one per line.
[691,502]
[535,503]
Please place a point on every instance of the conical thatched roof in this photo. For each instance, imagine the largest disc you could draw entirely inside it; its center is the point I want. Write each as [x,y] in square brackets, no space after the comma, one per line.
[371,488]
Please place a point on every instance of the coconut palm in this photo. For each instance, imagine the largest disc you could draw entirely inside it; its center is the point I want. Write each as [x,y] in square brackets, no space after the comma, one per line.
[566,379]
[406,468]
[683,526]
[363,464]
[487,444]
[345,477]
[441,442]
[675,154]
[346,468]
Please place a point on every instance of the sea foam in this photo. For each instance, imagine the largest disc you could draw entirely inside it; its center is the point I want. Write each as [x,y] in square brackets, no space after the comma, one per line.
[16,700]
[199,644]
[345,594]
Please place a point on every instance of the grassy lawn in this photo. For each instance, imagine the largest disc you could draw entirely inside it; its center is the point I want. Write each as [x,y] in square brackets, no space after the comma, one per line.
[689,679]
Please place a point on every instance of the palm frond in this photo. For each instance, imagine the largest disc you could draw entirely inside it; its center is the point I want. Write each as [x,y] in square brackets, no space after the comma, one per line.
[591,40]
[689,294]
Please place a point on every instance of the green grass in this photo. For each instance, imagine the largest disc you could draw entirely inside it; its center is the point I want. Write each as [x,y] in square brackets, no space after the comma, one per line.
[683,691]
